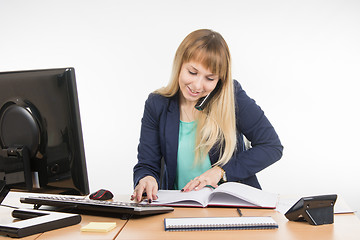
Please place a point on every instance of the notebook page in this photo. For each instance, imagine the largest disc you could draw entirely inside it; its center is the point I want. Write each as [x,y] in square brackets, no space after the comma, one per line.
[224,199]
[247,193]
[192,198]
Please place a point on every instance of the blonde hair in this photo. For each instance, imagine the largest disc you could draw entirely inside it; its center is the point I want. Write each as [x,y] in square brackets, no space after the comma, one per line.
[216,123]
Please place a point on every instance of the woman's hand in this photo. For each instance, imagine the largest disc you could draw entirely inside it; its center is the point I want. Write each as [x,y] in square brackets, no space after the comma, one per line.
[146,185]
[210,177]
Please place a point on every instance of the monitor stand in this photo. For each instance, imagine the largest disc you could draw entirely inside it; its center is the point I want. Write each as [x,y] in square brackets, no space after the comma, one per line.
[37,221]
[34,221]
[15,168]
[4,190]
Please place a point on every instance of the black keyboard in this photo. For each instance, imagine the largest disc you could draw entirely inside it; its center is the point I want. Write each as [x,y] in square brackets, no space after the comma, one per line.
[100,207]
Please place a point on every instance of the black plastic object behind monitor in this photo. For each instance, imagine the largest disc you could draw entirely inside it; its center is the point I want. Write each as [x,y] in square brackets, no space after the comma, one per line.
[316,210]
[40,132]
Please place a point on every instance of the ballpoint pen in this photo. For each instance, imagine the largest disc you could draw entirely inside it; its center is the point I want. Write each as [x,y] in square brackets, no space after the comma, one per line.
[239,211]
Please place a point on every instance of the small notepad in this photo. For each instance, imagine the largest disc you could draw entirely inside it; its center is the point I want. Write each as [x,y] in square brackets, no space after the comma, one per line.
[99,227]
[219,223]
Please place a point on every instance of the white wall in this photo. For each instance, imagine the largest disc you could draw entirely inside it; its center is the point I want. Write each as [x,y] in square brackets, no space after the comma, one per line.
[299,59]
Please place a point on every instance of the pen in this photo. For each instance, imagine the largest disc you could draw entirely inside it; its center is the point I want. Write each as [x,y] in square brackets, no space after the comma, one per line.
[239,211]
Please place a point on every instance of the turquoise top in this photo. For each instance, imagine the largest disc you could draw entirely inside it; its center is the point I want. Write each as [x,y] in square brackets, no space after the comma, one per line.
[186,170]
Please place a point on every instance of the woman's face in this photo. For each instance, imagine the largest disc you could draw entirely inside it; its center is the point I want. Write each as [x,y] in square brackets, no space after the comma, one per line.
[195,81]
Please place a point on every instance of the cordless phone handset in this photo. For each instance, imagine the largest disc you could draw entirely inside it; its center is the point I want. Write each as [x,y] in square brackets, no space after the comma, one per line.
[201,104]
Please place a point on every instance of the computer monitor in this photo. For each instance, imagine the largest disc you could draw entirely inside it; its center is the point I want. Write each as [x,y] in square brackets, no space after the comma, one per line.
[41,138]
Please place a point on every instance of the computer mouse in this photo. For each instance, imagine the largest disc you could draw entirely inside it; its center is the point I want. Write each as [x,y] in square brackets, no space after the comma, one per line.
[101,194]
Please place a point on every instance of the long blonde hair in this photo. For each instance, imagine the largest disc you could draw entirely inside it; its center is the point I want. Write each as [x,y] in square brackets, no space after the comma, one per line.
[216,123]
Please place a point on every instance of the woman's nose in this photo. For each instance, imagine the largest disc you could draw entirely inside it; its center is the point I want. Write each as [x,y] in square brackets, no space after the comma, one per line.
[198,83]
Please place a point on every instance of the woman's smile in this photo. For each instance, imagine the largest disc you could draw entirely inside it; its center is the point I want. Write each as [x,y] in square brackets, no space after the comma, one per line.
[192,92]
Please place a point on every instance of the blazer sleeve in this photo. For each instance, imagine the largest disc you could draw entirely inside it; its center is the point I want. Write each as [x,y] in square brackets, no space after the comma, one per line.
[149,148]
[265,148]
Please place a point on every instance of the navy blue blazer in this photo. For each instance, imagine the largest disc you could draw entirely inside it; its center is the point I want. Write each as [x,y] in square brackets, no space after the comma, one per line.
[160,132]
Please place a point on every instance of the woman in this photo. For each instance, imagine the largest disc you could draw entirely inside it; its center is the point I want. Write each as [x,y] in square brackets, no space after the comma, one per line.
[184,148]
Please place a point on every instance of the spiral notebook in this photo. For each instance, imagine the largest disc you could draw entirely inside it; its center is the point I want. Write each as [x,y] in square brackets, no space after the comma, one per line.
[219,223]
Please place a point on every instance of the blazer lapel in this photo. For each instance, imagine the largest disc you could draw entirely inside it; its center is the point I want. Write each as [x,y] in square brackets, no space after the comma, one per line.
[172,139]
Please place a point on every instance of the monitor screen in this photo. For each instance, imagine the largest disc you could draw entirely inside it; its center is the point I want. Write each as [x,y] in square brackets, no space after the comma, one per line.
[41,139]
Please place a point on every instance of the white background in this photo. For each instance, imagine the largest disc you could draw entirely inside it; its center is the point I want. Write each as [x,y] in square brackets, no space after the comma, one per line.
[300,60]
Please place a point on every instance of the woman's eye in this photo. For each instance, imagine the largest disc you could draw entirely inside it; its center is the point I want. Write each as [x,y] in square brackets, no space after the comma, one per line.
[192,73]
[210,79]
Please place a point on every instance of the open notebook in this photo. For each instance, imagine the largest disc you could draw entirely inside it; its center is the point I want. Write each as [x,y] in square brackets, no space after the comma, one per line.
[230,194]
[219,223]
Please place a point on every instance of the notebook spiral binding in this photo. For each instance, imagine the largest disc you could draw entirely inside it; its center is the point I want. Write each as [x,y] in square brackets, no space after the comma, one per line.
[176,226]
